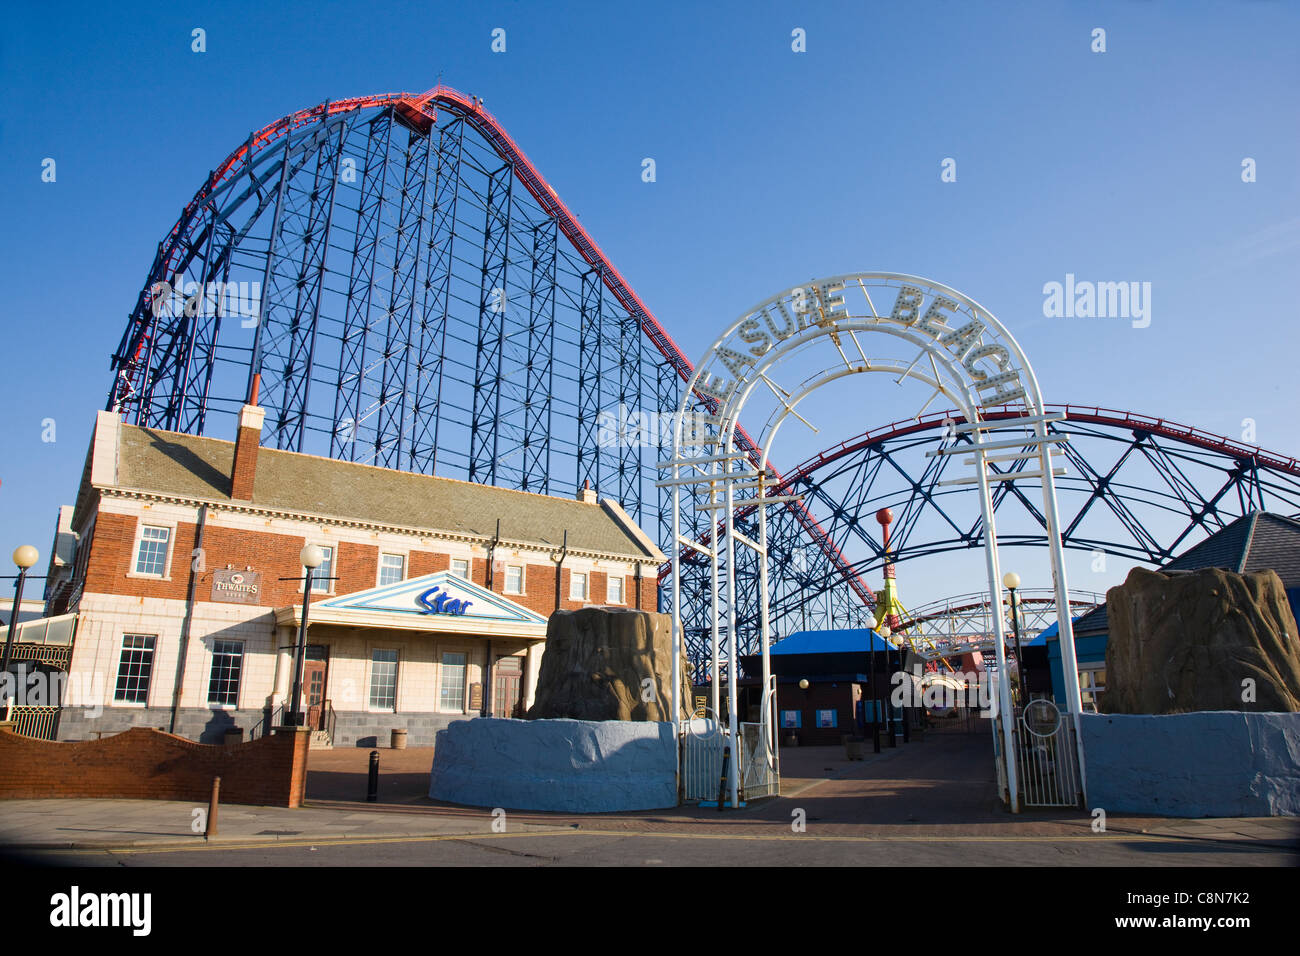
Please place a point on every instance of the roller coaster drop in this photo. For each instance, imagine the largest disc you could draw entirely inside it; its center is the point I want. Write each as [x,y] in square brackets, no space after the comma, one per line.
[415,295]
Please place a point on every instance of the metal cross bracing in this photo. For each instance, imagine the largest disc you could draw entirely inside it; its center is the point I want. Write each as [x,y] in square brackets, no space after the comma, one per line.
[957,625]
[354,254]
[419,298]
[1137,489]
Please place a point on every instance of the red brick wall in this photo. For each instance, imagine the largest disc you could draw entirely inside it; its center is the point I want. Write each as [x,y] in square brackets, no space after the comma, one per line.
[276,556]
[245,466]
[147,764]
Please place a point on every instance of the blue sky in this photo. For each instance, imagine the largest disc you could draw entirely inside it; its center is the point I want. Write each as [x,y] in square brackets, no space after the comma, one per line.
[772,167]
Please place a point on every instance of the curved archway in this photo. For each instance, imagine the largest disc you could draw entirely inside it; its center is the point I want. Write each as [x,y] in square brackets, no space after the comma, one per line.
[948,342]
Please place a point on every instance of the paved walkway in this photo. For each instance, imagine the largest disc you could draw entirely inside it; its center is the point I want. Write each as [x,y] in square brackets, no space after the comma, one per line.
[940,790]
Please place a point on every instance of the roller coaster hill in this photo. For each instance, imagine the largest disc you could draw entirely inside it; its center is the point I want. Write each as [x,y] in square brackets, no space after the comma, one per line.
[412,294]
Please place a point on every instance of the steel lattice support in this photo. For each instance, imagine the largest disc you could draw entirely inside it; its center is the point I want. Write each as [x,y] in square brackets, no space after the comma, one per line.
[436,301]
[590,365]
[539,371]
[349,406]
[1130,492]
[370,234]
[391,433]
[485,427]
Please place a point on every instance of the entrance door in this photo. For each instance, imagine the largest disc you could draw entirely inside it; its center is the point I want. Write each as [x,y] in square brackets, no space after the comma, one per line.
[313,691]
[507,687]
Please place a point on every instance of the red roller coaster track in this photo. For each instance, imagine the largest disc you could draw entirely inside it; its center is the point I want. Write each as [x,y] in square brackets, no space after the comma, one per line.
[421,112]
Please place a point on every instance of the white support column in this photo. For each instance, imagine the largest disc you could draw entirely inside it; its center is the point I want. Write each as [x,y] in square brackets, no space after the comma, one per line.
[1065,624]
[715,674]
[677,610]
[733,655]
[764,637]
[284,636]
[532,666]
[999,626]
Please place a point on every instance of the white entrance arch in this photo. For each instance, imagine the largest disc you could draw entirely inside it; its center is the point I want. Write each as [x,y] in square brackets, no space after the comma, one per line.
[950,343]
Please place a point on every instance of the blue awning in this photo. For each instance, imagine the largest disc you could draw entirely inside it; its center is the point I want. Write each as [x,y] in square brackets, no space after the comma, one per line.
[842,641]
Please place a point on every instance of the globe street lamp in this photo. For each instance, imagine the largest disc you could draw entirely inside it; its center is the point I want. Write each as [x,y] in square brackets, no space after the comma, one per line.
[311,558]
[24,557]
[1012,582]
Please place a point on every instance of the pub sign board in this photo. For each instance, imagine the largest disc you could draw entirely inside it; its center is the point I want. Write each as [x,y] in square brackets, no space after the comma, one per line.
[237,587]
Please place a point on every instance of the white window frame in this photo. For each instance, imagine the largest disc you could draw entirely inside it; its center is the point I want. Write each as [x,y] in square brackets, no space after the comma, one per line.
[379,571]
[609,589]
[370,678]
[333,549]
[1091,687]
[117,671]
[469,568]
[146,522]
[243,667]
[523,579]
[586,585]
[464,686]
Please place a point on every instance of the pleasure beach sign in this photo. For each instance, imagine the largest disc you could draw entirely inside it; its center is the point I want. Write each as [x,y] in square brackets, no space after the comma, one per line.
[911,329]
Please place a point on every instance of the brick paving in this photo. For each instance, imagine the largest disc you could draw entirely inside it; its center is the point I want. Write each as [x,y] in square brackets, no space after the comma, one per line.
[941,786]
[935,794]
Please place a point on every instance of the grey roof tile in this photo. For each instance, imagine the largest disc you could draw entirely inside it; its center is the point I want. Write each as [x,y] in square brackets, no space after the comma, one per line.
[196,467]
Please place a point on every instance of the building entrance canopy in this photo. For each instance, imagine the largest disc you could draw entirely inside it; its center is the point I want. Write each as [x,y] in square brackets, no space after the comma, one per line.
[440,602]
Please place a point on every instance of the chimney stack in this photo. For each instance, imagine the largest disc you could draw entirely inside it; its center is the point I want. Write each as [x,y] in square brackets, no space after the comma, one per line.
[585,494]
[249,439]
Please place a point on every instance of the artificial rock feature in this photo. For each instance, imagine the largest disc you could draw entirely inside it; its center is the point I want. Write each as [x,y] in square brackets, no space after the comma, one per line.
[603,663]
[1187,640]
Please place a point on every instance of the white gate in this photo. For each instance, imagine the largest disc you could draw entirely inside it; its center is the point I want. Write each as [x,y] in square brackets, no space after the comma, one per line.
[702,743]
[758,775]
[1047,757]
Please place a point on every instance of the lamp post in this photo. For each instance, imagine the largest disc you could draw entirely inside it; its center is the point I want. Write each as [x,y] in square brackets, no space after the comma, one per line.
[885,631]
[24,557]
[1012,581]
[311,557]
[875,704]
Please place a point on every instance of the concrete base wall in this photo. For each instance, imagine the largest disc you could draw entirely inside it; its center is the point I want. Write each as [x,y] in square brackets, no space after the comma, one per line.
[195,723]
[572,766]
[1204,764]
[355,729]
[351,728]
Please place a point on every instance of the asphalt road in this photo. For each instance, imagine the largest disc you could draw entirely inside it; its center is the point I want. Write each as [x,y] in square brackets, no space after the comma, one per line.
[687,848]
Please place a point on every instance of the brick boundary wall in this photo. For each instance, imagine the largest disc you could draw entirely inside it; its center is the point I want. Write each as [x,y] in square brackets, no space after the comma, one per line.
[142,763]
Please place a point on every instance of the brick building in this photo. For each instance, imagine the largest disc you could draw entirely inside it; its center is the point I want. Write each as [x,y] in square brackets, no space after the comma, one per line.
[431,605]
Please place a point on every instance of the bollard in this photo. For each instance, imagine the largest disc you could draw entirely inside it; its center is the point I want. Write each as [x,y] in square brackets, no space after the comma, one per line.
[372,790]
[211,829]
[722,784]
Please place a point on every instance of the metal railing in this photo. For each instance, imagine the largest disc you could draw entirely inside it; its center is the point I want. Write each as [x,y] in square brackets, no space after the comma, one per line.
[39,722]
[330,719]
[270,720]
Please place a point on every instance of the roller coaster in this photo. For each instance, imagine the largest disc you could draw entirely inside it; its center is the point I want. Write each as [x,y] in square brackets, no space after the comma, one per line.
[413,294]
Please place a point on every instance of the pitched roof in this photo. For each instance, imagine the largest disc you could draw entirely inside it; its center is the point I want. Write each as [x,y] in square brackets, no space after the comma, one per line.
[1258,541]
[194,467]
